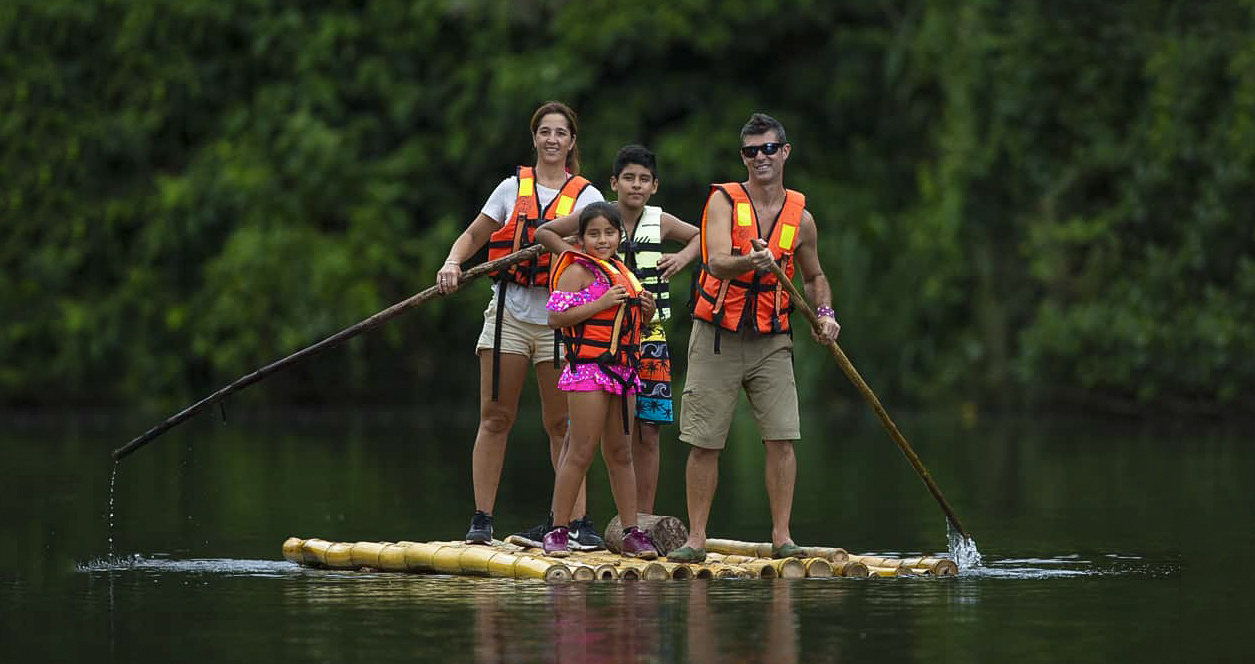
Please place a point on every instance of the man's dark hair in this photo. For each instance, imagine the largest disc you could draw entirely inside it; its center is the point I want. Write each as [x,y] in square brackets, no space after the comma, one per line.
[635,154]
[761,123]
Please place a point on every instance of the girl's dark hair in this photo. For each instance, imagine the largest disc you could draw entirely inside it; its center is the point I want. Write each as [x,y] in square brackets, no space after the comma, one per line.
[572,157]
[601,209]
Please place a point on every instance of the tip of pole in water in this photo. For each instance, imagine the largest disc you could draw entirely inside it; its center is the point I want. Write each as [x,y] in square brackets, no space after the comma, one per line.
[962,549]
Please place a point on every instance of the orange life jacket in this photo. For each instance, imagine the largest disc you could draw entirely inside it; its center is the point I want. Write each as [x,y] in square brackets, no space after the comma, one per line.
[612,335]
[519,229]
[749,300]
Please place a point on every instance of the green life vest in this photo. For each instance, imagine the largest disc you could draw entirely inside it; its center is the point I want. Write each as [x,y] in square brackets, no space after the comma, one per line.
[641,254]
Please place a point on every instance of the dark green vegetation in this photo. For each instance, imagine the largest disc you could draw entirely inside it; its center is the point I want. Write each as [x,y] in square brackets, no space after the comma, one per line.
[1022,202]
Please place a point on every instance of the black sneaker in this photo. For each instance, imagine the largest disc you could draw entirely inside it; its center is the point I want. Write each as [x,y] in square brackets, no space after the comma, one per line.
[533,537]
[584,535]
[481,529]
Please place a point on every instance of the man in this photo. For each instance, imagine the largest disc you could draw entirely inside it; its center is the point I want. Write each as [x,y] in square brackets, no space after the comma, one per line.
[741,334]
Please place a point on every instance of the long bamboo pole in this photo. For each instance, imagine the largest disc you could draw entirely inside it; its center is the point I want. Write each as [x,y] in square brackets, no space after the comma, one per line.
[331,341]
[870,398]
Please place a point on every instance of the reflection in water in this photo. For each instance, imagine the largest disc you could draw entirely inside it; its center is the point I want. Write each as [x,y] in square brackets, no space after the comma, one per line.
[631,621]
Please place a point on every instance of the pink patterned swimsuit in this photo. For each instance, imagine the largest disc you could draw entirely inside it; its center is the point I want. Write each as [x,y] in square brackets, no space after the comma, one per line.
[590,377]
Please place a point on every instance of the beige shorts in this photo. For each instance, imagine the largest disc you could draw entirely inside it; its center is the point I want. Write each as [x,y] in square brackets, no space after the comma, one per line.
[517,337]
[763,365]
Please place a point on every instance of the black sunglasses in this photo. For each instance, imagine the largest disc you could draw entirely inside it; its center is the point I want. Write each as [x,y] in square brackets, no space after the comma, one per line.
[751,151]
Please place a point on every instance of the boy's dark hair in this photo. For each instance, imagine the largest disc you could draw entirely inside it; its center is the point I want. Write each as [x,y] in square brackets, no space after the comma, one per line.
[761,123]
[635,154]
[601,209]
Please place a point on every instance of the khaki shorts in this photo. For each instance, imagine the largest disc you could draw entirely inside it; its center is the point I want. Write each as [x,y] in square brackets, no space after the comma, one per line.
[763,365]
[517,337]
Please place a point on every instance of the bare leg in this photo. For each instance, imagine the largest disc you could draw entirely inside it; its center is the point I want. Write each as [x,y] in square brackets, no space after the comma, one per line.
[616,449]
[495,420]
[553,408]
[645,460]
[781,474]
[590,415]
[701,475]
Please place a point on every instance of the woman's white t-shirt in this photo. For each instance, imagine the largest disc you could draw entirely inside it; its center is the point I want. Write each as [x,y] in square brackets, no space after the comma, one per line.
[528,304]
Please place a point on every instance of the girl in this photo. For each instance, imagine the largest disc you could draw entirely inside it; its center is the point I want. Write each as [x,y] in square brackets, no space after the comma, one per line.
[601,309]
[515,332]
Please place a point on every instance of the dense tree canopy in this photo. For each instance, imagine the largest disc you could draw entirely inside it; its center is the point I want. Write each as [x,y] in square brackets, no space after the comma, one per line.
[1025,202]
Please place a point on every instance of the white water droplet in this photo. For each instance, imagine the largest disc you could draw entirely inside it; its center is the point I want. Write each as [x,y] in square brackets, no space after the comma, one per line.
[962,549]
[112,480]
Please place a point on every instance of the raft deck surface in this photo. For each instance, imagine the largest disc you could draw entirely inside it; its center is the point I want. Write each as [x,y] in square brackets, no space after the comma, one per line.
[725,559]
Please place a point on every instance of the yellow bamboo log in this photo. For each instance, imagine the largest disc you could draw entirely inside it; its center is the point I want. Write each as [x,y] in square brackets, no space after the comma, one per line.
[447,559]
[581,572]
[875,570]
[933,566]
[292,550]
[734,559]
[392,558]
[418,557]
[536,568]
[630,574]
[876,561]
[339,556]
[704,572]
[831,554]
[789,568]
[315,552]
[739,548]
[679,571]
[502,565]
[759,568]
[474,559]
[817,568]
[365,554]
[606,572]
[850,568]
[728,572]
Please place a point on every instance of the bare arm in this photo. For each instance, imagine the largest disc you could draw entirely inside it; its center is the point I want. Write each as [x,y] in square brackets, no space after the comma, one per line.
[679,231]
[475,236]
[577,278]
[721,263]
[814,283]
[553,233]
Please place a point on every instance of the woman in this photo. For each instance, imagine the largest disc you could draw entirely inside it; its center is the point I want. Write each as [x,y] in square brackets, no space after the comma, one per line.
[601,309]
[515,322]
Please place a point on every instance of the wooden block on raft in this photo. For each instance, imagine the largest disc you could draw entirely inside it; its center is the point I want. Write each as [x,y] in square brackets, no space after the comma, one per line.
[668,532]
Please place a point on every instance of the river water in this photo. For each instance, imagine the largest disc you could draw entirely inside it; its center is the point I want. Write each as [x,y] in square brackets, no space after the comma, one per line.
[1101,541]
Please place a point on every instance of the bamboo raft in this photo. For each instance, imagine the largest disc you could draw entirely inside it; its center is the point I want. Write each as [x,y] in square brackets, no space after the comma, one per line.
[726,559]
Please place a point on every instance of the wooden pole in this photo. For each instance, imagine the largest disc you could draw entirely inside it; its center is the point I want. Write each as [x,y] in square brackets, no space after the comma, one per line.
[331,341]
[870,398]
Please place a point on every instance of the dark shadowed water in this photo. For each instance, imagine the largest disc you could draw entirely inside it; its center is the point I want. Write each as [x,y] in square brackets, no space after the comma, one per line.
[1101,542]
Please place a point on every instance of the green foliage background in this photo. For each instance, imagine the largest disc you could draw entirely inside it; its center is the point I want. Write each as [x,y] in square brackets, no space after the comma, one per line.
[1021,202]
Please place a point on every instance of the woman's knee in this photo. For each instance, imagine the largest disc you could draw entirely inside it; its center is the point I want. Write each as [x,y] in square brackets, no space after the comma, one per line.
[495,418]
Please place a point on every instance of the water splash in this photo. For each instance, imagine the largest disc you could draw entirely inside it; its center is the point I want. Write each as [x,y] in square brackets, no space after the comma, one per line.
[112,480]
[962,549]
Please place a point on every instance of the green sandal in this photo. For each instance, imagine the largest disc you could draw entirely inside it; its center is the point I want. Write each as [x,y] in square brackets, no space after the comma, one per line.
[687,554]
[788,550]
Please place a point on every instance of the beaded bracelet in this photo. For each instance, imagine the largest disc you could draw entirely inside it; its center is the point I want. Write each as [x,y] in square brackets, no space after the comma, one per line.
[820,312]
